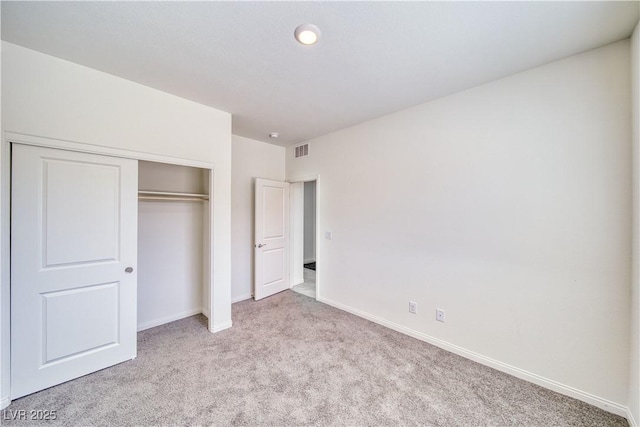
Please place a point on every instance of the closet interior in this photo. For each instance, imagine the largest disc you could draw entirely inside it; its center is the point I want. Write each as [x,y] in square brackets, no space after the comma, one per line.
[173,242]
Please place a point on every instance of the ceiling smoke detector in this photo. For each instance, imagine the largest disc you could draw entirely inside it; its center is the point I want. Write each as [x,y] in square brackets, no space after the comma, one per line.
[307,34]
[274,135]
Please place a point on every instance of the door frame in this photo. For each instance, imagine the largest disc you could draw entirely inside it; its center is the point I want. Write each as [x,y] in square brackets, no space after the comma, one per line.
[319,221]
[5,229]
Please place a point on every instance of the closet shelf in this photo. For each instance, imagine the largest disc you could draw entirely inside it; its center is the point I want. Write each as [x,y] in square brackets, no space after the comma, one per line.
[168,196]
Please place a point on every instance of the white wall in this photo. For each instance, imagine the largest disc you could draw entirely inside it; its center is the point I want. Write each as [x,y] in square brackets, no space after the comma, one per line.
[309,221]
[634,359]
[169,261]
[153,176]
[251,159]
[508,206]
[296,234]
[5,294]
[52,98]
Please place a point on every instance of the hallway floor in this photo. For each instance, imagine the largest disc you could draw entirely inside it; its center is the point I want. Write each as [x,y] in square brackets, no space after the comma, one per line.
[307,288]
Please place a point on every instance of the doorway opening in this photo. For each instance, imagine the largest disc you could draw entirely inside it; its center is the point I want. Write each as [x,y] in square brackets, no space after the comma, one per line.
[173,216]
[308,234]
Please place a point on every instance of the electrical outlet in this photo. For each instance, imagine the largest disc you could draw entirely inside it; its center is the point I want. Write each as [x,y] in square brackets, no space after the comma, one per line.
[413,307]
[439,315]
[328,235]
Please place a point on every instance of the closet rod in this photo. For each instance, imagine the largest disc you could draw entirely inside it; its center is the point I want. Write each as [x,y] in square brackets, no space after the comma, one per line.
[167,193]
[174,199]
[168,196]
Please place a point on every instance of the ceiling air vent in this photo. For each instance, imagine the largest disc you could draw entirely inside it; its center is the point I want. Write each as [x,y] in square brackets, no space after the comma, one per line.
[301,151]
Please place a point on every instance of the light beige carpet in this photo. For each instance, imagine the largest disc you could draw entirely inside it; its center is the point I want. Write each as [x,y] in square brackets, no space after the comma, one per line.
[289,361]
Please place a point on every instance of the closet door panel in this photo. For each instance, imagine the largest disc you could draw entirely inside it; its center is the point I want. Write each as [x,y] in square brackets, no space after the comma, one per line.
[70,187]
[73,260]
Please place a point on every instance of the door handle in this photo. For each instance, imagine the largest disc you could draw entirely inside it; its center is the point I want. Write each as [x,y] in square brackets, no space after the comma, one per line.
[128,270]
[259,245]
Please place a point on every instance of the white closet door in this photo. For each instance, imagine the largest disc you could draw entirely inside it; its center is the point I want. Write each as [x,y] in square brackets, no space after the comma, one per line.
[272,238]
[73,254]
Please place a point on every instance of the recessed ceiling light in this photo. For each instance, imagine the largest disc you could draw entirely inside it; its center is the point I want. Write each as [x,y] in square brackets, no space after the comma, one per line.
[307,34]
[274,135]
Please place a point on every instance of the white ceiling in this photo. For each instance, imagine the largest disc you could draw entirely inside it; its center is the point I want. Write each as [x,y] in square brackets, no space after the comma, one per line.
[374,58]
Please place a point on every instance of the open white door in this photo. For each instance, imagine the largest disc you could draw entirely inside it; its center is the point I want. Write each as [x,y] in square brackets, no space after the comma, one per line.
[73,254]
[272,238]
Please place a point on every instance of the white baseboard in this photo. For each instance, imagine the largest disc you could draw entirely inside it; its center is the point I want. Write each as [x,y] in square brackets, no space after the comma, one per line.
[307,261]
[167,319]
[205,311]
[601,403]
[221,326]
[4,402]
[241,298]
[630,419]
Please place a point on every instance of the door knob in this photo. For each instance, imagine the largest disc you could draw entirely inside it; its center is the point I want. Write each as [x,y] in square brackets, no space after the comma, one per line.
[261,245]
[128,270]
